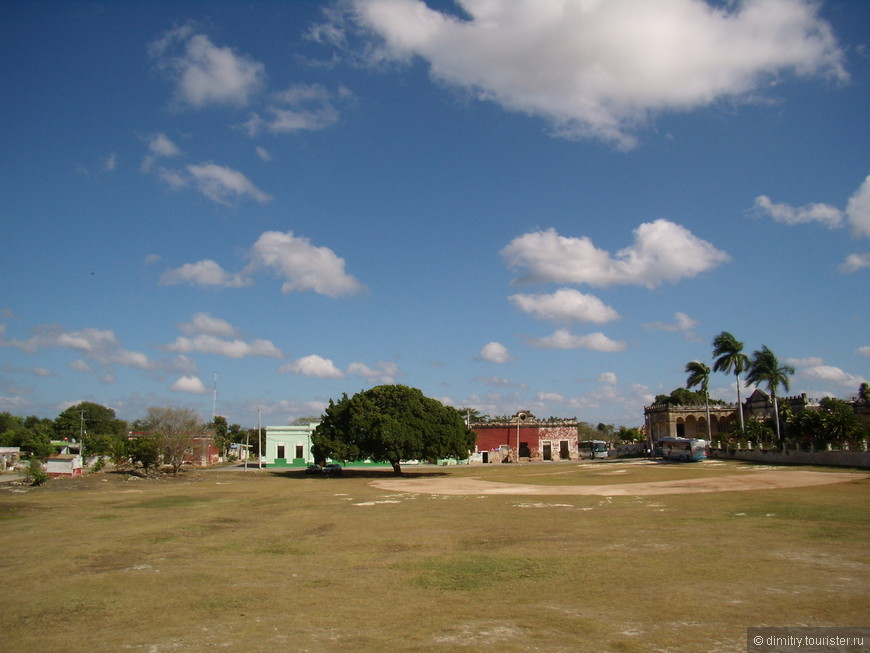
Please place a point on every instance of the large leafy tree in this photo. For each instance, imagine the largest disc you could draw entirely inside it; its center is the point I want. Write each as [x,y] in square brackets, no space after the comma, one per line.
[699,376]
[391,423]
[728,352]
[96,426]
[765,369]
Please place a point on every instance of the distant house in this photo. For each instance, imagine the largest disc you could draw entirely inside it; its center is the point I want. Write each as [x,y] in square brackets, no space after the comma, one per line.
[9,457]
[290,445]
[64,464]
[203,451]
[523,436]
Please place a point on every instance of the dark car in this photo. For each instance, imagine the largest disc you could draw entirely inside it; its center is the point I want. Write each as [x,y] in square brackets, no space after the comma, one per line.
[332,469]
[313,469]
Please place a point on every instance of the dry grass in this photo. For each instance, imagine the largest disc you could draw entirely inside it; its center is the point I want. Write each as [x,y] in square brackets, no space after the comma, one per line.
[281,561]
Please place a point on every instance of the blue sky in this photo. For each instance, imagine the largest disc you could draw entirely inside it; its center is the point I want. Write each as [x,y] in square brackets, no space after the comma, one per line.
[542,205]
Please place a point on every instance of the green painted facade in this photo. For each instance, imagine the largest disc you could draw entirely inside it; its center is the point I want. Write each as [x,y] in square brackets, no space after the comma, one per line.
[290,445]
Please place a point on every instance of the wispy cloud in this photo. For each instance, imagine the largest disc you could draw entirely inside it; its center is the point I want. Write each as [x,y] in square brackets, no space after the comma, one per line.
[302,107]
[204,273]
[564,339]
[682,324]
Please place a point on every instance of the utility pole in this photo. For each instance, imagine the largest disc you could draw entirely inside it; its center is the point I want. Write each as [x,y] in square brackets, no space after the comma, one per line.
[259,438]
[82,435]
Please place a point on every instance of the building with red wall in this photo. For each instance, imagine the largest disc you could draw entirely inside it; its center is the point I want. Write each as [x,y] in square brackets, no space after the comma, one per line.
[524,437]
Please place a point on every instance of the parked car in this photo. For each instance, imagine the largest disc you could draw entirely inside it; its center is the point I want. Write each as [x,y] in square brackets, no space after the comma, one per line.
[332,469]
[313,469]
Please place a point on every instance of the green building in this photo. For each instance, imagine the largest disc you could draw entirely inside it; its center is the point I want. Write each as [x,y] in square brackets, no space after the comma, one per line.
[289,446]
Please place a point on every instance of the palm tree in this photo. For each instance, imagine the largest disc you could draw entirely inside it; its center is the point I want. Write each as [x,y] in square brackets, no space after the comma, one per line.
[731,359]
[765,368]
[699,374]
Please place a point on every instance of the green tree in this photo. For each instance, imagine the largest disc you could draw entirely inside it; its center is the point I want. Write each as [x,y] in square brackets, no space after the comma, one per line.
[144,450]
[864,393]
[729,355]
[94,425]
[839,421]
[681,397]
[34,442]
[765,368]
[699,375]
[174,429]
[391,423]
[220,430]
[36,475]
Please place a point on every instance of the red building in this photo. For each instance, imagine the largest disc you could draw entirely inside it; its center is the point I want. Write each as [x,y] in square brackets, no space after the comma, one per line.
[523,437]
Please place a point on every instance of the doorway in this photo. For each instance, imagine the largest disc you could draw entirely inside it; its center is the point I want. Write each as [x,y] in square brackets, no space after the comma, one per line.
[548,451]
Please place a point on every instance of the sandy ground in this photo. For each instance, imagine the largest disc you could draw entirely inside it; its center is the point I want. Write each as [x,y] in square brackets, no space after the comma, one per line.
[760,480]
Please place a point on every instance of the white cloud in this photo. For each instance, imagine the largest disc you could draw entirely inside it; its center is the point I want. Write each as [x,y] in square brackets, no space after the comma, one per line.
[159,147]
[854,263]
[682,323]
[111,162]
[385,372]
[494,381]
[236,348]
[205,73]
[608,378]
[81,366]
[263,153]
[203,273]
[303,265]
[565,305]
[101,346]
[858,210]
[301,107]
[313,365]
[662,252]
[835,375]
[826,214]
[597,69]
[564,339]
[864,351]
[221,184]
[191,384]
[494,352]
[549,397]
[205,323]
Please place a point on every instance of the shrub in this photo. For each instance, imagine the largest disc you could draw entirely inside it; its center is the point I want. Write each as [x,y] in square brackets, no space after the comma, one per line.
[35,473]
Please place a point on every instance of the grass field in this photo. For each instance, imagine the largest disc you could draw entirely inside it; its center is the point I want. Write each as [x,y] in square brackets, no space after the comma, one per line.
[280,561]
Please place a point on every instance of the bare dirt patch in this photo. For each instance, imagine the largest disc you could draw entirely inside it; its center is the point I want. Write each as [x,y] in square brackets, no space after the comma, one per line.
[760,480]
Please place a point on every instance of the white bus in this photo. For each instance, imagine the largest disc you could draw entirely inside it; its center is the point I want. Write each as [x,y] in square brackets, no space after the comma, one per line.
[683,449]
[592,448]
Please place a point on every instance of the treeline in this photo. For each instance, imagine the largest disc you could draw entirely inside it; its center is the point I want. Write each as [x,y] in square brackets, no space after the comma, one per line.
[162,435]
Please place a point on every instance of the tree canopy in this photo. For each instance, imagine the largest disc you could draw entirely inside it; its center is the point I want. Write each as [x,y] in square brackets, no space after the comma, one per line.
[391,423]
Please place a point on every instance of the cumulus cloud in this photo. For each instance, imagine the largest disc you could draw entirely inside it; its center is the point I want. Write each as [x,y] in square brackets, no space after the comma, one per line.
[864,351]
[564,339]
[98,345]
[608,378]
[832,374]
[191,384]
[204,73]
[303,266]
[565,305]
[314,366]
[494,352]
[662,252]
[302,107]
[599,69]
[204,273]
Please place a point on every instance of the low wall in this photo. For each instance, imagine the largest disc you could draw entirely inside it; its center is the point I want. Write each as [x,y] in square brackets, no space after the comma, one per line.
[793,457]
